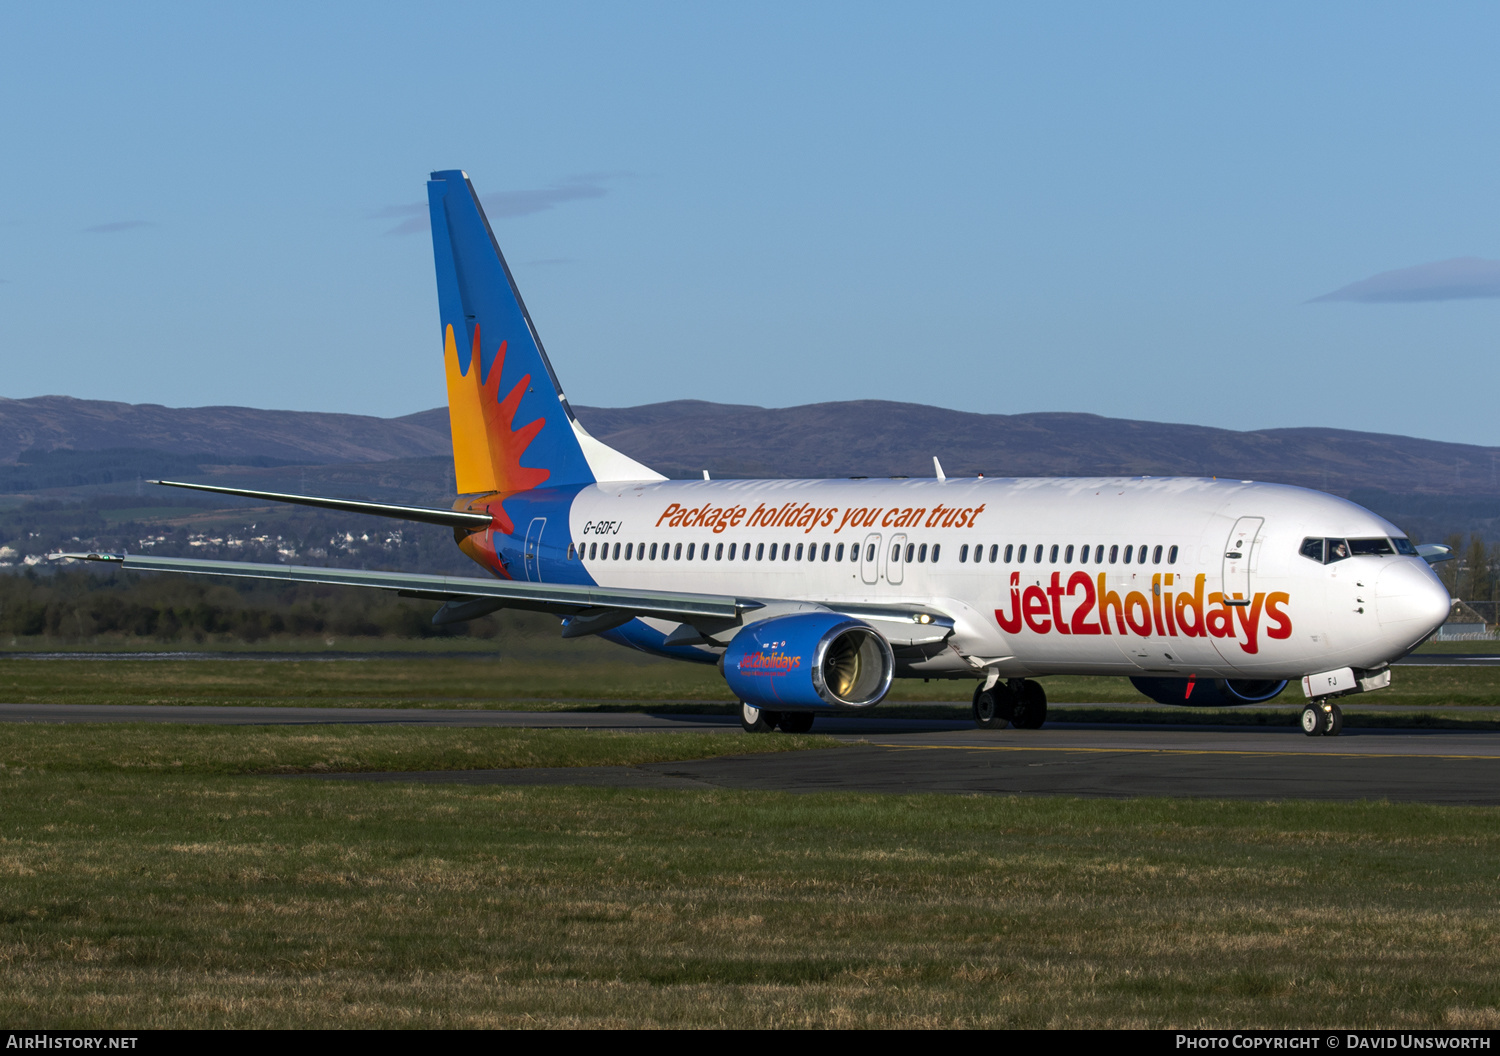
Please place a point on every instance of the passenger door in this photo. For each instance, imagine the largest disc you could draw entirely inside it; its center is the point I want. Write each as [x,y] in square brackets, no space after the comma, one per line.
[1237,555]
[893,565]
[533,548]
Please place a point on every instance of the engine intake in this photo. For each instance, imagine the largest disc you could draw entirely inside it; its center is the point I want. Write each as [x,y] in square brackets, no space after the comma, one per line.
[817,660]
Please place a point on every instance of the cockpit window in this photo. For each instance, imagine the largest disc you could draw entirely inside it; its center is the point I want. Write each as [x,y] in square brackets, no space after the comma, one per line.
[1330,550]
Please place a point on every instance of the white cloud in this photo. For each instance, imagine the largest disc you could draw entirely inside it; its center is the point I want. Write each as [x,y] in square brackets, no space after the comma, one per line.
[507,203]
[117,226]
[1445,280]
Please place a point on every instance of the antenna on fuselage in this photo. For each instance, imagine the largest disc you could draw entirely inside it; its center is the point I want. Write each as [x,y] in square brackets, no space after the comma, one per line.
[938,466]
[706,476]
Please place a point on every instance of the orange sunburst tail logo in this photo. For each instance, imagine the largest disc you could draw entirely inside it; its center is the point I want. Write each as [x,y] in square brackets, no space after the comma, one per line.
[486,449]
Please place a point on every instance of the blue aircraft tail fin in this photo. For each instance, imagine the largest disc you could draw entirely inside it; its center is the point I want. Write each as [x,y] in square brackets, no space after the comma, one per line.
[512,427]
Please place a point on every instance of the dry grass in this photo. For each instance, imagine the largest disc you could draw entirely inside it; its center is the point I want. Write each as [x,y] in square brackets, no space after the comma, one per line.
[188,749]
[147,900]
[355,681]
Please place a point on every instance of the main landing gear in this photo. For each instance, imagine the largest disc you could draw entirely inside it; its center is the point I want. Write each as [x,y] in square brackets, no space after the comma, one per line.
[1017,702]
[1322,718]
[758,720]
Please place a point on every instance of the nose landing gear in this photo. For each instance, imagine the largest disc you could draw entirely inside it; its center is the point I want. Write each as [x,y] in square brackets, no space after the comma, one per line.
[1322,719]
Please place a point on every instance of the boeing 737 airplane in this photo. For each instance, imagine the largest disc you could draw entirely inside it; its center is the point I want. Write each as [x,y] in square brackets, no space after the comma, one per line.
[811,596]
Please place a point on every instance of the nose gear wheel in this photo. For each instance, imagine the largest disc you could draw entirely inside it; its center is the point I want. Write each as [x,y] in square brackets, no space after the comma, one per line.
[1322,720]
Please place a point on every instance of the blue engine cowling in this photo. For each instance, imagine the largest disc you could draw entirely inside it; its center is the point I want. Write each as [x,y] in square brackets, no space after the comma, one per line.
[809,661]
[1209,692]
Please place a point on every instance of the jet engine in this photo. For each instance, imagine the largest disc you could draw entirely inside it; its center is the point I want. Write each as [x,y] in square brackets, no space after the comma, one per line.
[809,661]
[1209,692]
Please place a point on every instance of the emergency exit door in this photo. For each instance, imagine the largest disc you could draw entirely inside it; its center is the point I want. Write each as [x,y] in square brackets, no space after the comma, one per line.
[895,566]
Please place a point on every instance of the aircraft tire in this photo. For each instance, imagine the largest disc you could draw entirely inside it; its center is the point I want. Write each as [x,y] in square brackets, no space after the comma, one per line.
[757,720]
[994,707]
[1031,706]
[1314,721]
[1335,724]
[794,721]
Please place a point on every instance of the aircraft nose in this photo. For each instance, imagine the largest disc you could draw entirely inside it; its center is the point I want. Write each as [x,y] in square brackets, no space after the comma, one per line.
[1410,597]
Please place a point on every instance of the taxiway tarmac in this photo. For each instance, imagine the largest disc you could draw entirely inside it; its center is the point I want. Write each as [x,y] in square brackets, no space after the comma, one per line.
[947,756]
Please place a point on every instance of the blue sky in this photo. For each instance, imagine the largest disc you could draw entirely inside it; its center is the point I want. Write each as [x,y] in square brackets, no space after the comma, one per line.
[1247,216]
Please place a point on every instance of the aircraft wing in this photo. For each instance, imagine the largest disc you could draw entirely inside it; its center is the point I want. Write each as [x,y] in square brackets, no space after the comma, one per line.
[562,598]
[590,609]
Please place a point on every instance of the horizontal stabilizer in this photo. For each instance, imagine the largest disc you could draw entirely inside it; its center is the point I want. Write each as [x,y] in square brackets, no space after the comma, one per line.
[426,515]
[1433,553]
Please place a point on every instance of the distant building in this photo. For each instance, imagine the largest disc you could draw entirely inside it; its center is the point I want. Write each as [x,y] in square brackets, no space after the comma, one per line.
[1459,632]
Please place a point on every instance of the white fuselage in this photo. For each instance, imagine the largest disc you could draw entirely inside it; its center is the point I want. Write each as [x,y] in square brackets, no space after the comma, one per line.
[1215,584]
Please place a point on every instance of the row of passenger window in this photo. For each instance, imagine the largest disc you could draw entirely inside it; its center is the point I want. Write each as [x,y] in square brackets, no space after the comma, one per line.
[721,552]
[919,553]
[1042,552]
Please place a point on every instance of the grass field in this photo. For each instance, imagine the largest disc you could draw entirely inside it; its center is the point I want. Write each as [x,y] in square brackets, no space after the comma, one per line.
[328,647]
[620,681]
[136,892]
[1489,646]
[134,748]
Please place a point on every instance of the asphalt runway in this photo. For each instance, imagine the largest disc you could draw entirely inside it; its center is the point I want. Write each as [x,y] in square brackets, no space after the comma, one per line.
[906,756]
[1449,660]
[948,756]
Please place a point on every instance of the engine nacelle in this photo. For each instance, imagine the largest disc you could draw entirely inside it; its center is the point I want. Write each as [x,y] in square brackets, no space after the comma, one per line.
[1209,692]
[809,661]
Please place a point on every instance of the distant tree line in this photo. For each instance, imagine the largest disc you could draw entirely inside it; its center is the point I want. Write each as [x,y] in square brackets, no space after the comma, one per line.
[82,604]
[1474,575]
